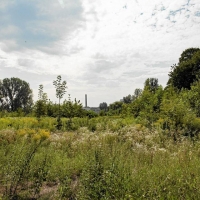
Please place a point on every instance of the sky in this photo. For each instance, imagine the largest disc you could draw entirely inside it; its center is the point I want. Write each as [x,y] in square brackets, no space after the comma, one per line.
[103,48]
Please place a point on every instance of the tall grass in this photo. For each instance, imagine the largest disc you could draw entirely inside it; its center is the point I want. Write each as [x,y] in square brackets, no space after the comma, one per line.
[94,124]
[127,162]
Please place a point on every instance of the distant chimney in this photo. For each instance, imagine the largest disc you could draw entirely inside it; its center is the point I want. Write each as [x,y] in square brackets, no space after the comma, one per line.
[86,100]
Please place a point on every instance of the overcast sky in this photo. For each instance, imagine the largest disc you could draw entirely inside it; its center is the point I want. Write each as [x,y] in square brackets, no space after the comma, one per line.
[102,48]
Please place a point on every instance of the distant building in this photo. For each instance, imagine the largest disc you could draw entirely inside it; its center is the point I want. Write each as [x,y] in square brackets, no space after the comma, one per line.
[94,109]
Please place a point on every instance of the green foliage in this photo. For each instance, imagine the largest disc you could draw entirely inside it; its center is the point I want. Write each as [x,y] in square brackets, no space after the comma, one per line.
[102,113]
[92,126]
[175,109]
[194,97]
[40,108]
[72,109]
[151,84]
[52,109]
[187,54]
[14,94]
[18,167]
[115,108]
[94,186]
[177,115]
[59,123]
[120,160]
[117,154]
[40,172]
[60,87]
[60,91]
[187,71]
[137,92]
[128,99]
[40,105]
[90,114]
[147,105]
[126,110]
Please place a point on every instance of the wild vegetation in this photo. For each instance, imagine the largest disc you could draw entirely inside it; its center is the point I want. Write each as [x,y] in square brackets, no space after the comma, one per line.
[146,147]
[105,158]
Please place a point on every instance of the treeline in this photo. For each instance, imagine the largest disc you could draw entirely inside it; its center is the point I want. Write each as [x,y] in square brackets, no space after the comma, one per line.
[175,107]
[16,100]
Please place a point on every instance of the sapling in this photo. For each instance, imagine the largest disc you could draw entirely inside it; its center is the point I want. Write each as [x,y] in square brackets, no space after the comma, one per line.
[60,91]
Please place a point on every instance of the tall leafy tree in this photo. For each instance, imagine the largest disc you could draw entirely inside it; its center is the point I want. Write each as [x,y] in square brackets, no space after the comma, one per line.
[14,94]
[187,71]
[188,54]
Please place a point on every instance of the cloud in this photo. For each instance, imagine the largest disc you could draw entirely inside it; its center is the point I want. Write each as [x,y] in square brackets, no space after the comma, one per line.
[36,24]
[62,3]
[104,48]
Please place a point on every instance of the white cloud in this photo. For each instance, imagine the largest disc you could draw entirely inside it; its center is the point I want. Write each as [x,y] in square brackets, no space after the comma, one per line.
[103,48]
[62,3]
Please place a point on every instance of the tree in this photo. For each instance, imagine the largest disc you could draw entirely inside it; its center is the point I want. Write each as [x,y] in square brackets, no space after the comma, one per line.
[52,109]
[176,112]
[60,91]
[41,104]
[14,94]
[40,92]
[127,99]
[193,97]
[147,107]
[188,54]
[103,106]
[187,71]
[137,93]
[151,84]
[71,109]
[115,108]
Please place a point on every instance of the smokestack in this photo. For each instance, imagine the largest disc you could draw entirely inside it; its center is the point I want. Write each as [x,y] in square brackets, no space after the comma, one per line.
[86,100]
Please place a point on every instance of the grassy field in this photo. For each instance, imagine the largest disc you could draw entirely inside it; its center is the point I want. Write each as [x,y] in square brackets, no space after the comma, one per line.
[100,158]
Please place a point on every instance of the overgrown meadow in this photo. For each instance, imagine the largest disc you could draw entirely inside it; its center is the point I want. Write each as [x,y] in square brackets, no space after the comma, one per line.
[98,158]
[144,147]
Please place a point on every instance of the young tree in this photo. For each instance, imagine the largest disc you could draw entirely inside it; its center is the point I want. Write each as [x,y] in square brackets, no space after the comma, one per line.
[41,104]
[60,91]
[70,110]
[40,92]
